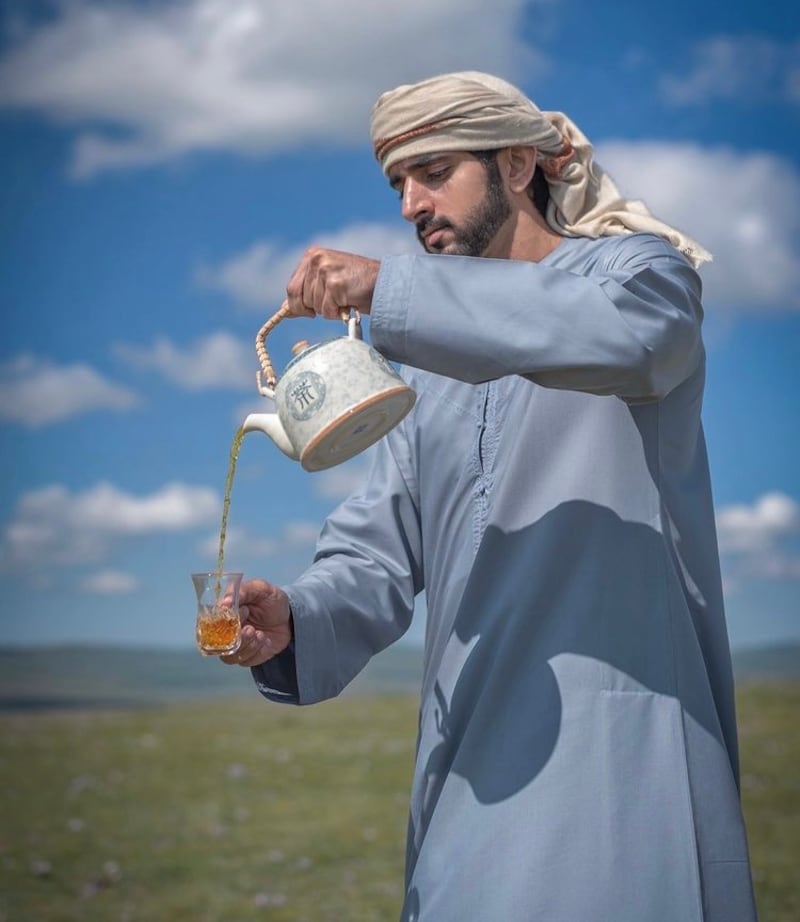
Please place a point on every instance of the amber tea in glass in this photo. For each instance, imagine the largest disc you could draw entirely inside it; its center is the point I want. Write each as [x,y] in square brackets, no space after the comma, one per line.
[218,628]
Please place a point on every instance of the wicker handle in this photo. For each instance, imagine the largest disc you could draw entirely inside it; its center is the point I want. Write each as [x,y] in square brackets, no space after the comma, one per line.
[270,377]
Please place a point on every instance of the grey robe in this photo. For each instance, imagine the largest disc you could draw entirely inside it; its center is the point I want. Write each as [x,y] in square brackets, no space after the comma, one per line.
[577,755]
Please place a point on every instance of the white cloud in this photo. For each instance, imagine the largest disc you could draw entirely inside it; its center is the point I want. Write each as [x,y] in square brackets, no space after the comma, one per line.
[779,566]
[744,208]
[239,543]
[744,69]
[339,482]
[52,525]
[35,392]
[257,405]
[110,582]
[251,76]
[218,360]
[760,526]
[258,276]
[299,534]
[756,540]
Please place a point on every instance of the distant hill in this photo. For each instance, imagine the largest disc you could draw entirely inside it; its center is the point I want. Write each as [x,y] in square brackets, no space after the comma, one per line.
[100,676]
[777,662]
[86,676]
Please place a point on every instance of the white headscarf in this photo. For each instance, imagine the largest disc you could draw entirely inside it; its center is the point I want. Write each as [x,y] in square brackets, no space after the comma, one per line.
[472,111]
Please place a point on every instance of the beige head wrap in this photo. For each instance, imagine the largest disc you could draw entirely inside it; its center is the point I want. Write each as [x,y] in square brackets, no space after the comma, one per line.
[471,111]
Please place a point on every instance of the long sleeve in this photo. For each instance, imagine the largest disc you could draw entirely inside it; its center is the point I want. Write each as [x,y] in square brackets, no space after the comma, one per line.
[358,595]
[631,328]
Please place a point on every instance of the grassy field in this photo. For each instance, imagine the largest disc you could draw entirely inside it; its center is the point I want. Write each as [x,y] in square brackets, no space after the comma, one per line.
[769,733]
[230,810]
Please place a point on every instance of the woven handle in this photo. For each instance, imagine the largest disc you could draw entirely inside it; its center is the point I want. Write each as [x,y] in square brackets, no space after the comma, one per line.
[270,377]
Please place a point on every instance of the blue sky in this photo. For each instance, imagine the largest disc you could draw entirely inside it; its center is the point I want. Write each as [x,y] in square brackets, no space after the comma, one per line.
[164,166]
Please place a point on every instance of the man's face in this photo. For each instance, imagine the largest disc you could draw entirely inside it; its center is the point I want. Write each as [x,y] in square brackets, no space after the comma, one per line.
[456,202]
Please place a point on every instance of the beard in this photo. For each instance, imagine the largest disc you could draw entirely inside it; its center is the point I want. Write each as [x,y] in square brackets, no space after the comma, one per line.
[473,236]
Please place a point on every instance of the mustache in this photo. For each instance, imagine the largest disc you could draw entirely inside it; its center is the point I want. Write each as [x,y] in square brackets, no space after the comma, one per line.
[429,225]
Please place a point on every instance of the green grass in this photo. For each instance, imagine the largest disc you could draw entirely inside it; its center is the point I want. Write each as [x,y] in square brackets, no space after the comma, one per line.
[769,734]
[224,811]
[233,810]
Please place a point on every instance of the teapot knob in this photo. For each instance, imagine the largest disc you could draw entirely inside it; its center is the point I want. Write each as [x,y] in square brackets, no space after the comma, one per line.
[300,346]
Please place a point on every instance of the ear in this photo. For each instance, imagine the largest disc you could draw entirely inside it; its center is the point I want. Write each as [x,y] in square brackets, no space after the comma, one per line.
[519,163]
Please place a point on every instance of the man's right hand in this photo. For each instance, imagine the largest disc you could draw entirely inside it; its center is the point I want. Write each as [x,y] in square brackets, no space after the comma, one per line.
[266,624]
[326,282]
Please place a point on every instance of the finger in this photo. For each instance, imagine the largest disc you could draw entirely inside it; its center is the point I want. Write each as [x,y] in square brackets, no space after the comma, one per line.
[324,287]
[249,634]
[297,307]
[254,646]
[313,290]
[252,590]
[315,265]
[255,650]
[294,290]
[333,304]
[334,298]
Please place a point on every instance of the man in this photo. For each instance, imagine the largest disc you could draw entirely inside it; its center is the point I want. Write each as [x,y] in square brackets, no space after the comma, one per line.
[577,754]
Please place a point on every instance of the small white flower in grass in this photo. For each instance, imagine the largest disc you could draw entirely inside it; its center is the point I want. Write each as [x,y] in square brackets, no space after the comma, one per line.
[753,783]
[90,889]
[395,746]
[75,824]
[41,868]
[237,770]
[262,900]
[80,783]
[112,872]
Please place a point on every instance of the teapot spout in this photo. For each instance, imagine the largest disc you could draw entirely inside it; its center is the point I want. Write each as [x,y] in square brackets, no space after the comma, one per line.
[270,425]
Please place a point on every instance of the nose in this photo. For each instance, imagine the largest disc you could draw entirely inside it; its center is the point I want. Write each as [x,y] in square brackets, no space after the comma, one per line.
[416,202]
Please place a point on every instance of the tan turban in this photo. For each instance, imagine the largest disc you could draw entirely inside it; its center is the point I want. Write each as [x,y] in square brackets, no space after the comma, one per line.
[471,111]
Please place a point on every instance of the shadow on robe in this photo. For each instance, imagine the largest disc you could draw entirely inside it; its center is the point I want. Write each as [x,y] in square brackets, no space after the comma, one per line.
[615,600]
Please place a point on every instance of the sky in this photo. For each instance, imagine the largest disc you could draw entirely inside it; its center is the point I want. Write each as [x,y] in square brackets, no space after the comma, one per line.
[165,164]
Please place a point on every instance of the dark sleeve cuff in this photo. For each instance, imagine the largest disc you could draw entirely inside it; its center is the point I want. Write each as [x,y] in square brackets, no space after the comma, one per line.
[277,678]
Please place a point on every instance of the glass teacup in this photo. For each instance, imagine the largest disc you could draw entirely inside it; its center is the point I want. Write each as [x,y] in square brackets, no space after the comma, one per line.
[218,628]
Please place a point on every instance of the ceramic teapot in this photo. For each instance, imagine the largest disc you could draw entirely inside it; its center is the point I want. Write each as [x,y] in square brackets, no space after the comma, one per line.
[334,399]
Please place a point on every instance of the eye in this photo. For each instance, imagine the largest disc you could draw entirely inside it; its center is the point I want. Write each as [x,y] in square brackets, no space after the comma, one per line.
[438,173]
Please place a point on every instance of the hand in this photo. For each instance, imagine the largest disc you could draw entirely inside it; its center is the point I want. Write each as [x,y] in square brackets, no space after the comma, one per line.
[328,281]
[266,624]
